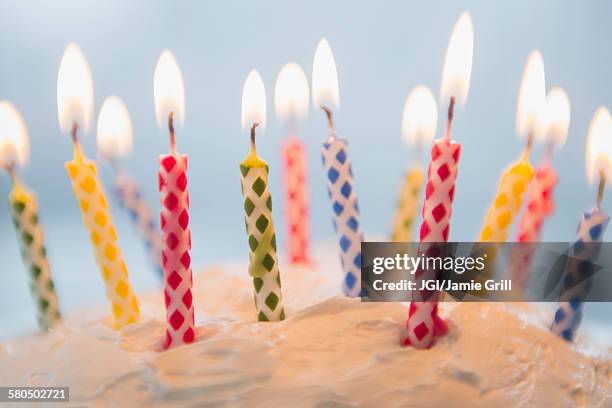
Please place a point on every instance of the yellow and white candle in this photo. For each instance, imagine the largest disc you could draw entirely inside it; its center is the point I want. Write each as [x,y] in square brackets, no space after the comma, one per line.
[418,127]
[75,103]
[515,180]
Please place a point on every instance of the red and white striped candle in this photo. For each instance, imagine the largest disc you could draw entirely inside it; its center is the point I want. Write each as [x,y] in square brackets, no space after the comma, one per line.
[291,101]
[424,324]
[176,236]
[296,206]
[540,201]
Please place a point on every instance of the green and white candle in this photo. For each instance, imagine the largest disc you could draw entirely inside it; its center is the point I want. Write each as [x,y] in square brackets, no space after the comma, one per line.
[263,260]
[24,210]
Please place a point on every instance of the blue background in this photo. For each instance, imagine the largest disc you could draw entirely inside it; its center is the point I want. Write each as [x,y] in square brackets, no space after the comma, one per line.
[382,50]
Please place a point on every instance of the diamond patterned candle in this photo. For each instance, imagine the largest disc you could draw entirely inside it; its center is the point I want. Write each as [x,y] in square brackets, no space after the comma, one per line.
[14,150]
[539,206]
[176,260]
[297,200]
[291,96]
[591,229]
[424,325]
[345,211]
[263,261]
[128,194]
[408,206]
[419,120]
[507,202]
[96,217]
[114,139]
[169,92]
[24,208]
[569,313]
[75,108]
[337,167]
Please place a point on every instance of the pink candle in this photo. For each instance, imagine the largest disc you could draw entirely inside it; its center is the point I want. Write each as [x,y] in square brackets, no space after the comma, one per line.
[294,161]
[424,324]
[176,236]
[539,206]
[540,202]
[291,100]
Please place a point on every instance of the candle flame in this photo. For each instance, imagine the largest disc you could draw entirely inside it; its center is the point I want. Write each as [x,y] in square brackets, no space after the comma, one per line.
[458,62]
[253,101]
[291,93]
[114,128]
[168,90]
[325,77]
[420,116]
[14,145]
[557,116]
[74,90]
[531,102]
[599,146]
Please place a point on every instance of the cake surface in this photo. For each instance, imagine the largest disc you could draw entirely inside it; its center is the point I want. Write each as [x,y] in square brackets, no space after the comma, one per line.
[330,351]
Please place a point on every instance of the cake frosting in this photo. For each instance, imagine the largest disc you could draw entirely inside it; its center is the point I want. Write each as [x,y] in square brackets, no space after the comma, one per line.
[330,351]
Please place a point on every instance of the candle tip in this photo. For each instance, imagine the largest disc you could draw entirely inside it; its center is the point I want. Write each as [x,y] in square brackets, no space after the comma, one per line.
[171,130]
[10,169]
[601,189]
[73,132]
[255,124]
[529,145]
[330,118]
[449,118]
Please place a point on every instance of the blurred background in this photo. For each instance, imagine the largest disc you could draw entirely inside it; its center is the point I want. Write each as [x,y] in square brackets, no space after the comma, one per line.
[382,50]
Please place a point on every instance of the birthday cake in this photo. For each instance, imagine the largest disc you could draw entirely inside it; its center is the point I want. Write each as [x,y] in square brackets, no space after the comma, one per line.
[330,351]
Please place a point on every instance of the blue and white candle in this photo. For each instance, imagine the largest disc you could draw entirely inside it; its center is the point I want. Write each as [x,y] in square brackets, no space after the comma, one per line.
[114,138]
[590,232]
[129,197]
[334,152]
[585,251]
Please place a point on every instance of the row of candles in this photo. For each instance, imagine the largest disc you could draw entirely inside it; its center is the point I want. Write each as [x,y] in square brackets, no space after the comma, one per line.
[540,117]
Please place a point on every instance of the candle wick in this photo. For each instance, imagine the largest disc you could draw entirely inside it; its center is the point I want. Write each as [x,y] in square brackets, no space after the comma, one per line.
[330,120]
[449,119]
[10,169]
[171,130]
[601,189]
[255,124]
[73,133]
[529,144]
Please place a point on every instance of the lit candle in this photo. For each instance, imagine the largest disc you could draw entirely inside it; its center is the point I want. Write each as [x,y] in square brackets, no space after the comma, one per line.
[516,178]
[263,261]
[75,106]
[424,325]
[169,93]
[591,228]
[338,171]
[24,208]
[418,127]
[540,203]
[114,141]
[291,100]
